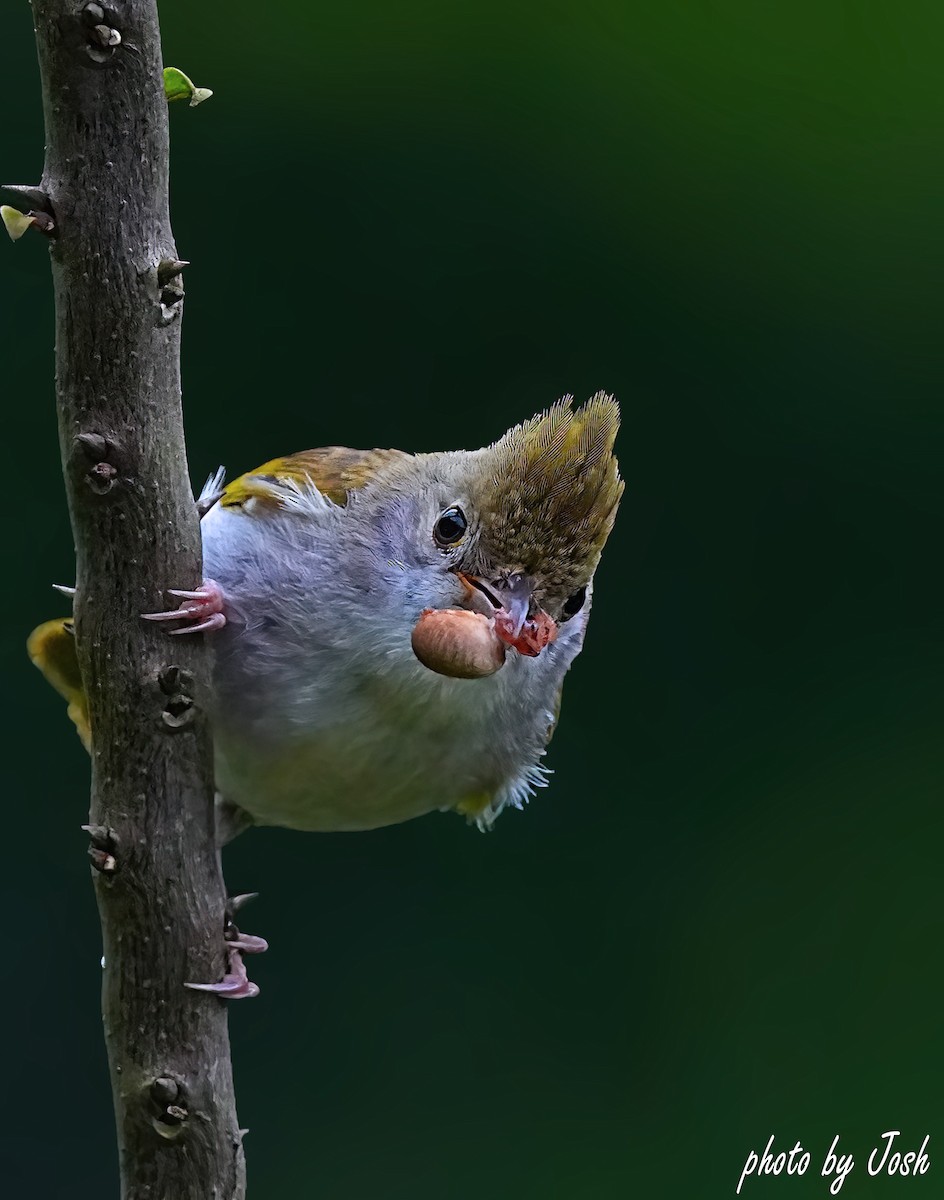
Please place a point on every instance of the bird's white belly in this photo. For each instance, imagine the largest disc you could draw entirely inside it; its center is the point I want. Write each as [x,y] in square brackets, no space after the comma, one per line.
[385,753]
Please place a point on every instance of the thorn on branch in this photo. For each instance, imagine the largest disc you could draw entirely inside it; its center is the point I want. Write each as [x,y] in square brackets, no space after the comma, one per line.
[171,292]
[102,849]
[93,445]
[178,712]
[101,835]
[102,475]
[101,37]
[102,861]
[172,680]
[166,1095]
[170,268]
[171,295]
[106,36]
[101,478]
[177,684]
[35,195]
[43,222]
[164,1091]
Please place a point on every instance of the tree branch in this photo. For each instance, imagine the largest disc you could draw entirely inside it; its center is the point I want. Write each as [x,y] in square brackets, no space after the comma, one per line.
[118,314]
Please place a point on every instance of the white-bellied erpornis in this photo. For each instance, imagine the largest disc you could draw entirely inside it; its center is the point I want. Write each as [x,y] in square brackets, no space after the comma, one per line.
[391,631]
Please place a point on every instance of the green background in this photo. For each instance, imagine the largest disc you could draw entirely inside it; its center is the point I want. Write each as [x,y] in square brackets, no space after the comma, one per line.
[414,224]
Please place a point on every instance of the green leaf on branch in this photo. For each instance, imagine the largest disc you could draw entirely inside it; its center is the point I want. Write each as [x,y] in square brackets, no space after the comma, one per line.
[15,222]
[177,86]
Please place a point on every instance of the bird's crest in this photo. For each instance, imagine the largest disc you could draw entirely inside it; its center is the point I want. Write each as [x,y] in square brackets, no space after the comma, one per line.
[553,490]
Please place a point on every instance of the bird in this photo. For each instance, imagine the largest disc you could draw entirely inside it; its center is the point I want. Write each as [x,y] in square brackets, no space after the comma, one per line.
[391,631]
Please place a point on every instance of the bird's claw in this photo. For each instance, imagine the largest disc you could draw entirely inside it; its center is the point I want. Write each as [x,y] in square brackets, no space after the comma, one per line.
[248,943]
[235,984]
[201,609]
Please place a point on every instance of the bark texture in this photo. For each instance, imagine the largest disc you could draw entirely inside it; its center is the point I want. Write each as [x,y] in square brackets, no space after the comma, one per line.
[157,876]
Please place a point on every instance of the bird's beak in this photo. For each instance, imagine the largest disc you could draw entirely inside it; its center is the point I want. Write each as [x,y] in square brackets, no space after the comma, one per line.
[510,601]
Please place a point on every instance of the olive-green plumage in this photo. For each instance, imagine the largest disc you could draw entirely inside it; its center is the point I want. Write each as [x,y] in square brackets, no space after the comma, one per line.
[550,497]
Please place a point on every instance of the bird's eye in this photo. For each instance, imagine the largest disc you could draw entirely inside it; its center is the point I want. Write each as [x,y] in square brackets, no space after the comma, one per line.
[450,527]
[573,604]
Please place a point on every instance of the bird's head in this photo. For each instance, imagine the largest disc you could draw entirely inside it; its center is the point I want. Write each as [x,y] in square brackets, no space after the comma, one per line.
[521,524]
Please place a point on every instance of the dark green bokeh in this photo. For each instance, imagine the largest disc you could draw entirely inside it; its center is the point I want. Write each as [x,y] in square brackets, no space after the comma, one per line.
[413,225]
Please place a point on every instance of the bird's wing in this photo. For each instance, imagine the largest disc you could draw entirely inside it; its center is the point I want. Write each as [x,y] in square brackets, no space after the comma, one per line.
[335,471]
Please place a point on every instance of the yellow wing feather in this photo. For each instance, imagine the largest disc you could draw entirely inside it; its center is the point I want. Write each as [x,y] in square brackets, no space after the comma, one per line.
[336,471]
[51,646]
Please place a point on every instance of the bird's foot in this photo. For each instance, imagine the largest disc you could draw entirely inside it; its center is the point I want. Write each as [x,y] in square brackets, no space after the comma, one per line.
[201,610]
[235,984]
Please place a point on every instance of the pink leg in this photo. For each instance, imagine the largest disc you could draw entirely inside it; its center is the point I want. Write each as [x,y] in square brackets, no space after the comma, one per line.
[235,984]
[202,610]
